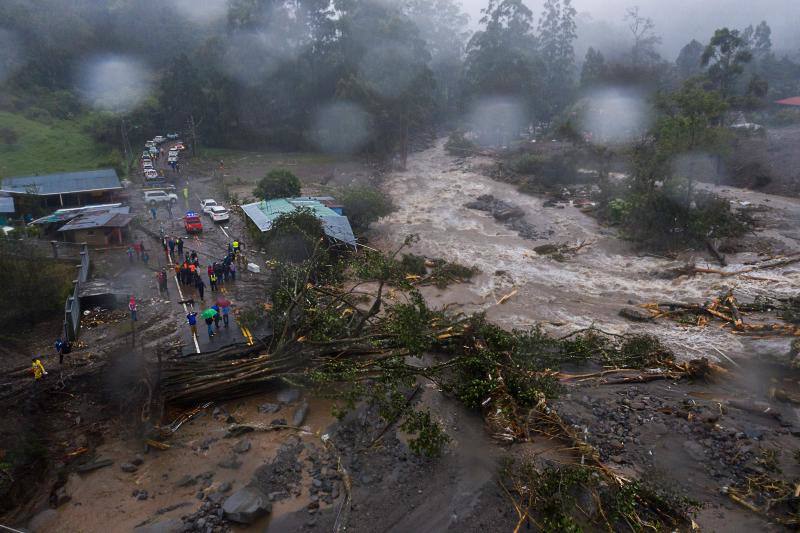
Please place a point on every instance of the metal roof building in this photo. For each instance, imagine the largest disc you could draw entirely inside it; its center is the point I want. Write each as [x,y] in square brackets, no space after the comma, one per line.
[115,217]
[63,183]
[66,188]
[336,226]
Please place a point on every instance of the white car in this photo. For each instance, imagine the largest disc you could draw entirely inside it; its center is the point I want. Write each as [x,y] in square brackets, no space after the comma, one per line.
[147,165]
[150,174]
[219,213]
[173,152]
[172,159]
[158,197]
[172,136]
[150,144]
[207,204]
[158,139]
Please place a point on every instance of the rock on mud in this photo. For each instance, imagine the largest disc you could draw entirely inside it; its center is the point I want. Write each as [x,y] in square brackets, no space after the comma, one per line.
[288,395]
[242,446]
[269,408]
[246,505]
[300,415]
[635,315]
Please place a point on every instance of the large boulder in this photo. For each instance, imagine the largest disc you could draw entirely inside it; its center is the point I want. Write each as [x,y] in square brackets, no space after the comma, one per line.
[246,505]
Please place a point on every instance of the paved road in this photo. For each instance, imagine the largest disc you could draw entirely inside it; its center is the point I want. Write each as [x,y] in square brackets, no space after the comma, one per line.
[210,245]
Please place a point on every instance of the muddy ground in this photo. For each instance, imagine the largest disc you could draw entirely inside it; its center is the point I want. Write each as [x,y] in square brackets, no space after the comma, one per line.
[693,437]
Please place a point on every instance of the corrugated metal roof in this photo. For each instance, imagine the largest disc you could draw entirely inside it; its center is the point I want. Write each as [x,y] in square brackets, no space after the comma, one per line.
[115,217]
[6,204]
[263,214]
[63,183]
[64,215]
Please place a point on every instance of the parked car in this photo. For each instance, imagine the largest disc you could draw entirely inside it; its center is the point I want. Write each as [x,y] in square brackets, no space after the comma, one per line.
[173,152]
[219,214]
[151,174]
[150,144]
[172,136]
[179,146]
[153,198]
[158,139]
[192,222]
[207,204]
[148,165]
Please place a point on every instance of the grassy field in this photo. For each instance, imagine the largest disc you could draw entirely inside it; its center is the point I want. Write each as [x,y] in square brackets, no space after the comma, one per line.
[42,148]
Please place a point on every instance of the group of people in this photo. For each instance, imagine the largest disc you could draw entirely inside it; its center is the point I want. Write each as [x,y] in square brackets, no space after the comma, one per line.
[172,245]
[138,249]
[222,309]
[63,347]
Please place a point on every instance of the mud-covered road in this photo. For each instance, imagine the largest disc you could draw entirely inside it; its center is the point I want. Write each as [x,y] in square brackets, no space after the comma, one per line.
[589,288]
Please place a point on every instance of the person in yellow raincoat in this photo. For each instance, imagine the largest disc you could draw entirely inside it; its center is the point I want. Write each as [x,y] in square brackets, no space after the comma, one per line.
[38,369]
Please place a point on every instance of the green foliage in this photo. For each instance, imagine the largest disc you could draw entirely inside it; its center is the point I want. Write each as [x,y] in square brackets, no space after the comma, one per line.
[458,145]
[726,55]
[414,264]
[429,439]
[618,210]
[662,219]
[278,183]
[59,146]
[364,205]
[548,171]
[408,323]
[556,496]
[35,279]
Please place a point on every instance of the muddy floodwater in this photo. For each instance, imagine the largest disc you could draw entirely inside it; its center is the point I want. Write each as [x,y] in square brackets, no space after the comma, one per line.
[589,288]
[106,497]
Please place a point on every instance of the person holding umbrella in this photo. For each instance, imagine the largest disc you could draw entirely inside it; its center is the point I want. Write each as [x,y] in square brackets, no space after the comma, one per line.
[208,315]
[225,304]
[215,307]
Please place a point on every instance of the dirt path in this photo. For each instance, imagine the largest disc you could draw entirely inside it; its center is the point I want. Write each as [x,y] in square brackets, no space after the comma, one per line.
[589,288]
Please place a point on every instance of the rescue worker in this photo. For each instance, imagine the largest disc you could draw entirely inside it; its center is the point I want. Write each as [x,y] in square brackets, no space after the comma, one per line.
[212,281]
[38,369]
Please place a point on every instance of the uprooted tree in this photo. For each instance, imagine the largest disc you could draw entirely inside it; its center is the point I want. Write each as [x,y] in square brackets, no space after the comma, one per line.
[357,328]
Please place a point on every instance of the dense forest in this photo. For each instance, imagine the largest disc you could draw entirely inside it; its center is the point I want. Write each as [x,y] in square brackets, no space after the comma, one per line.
[341,76]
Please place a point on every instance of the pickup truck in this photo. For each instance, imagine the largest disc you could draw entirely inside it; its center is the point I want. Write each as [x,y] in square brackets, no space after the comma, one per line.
[153,198]
[192,222]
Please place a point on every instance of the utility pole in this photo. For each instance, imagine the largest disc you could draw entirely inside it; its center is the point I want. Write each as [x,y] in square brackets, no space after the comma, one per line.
[193,130]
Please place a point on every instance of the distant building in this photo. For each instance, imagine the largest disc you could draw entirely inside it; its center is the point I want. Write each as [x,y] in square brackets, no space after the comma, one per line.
[334,223]
[98,227]
[6,207]
[66,189]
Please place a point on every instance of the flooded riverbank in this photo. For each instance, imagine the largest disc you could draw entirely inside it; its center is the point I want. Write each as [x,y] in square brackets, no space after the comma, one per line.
[589,288]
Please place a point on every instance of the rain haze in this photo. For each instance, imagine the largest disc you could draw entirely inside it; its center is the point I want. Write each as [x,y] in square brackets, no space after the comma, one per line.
[399,266]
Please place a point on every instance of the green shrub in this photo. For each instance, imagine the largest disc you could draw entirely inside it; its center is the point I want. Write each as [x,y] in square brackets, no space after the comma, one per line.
[363,205]
[457,144]
[278,183]
[663,219]
[548,171]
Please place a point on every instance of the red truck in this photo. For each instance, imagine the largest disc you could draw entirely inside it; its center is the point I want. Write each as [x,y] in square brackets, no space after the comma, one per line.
[192,223]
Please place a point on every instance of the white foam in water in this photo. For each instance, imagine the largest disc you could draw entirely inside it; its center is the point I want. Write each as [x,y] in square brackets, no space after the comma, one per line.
[589,288]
